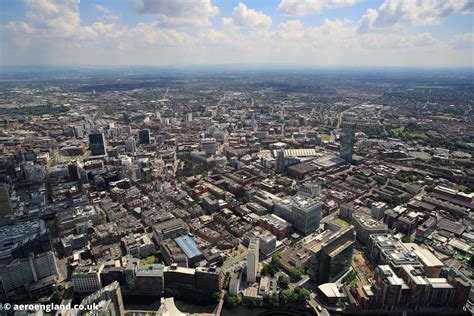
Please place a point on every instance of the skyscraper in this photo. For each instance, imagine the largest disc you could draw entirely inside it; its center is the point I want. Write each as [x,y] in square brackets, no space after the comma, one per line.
[6,207]
[144,137]
[280,161]
[97,144]
[73,170]
[252,260]
[254,124]
[347,140]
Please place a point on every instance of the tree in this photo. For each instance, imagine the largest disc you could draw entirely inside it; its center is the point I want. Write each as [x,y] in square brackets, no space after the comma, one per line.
[216,296]
[232,301]
[283,281]
[56,297]
[302,294]
[276,261]
[296,274]
[380,180]
[271,301]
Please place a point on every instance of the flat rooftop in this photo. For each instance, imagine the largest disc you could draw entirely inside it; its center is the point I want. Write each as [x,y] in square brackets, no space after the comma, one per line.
[188,245]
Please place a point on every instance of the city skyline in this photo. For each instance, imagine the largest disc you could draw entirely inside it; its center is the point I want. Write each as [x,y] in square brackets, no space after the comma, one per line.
[390,33]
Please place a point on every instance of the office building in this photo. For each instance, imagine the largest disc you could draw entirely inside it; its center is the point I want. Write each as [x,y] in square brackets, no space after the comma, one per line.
[170,229]
[347,140]
[385,249]
[144,137]
[173,254]
[330,254]
[208,279]
[130,145]
[73,170]
[280,161]
[108,299]
[6,207]
[21,274]
[365,226]
[252,261]
[209,145]
[179,277]
[378,210]
[190,249]
[86,279]
[303,213]
[267,244]
[97,145]
[149,280]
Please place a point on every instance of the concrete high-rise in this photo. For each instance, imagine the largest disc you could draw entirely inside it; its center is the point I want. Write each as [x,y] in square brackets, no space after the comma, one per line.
[252,261]
[97,144]
[347,140]
[6,207]
[280,161]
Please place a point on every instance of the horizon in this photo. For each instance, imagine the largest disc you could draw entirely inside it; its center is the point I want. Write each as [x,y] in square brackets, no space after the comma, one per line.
[305,33]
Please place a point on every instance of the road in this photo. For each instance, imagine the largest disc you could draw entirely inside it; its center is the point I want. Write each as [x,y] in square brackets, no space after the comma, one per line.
[350,108]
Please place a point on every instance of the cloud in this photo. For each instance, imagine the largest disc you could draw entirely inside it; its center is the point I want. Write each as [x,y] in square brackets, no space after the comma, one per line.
[101,9]
[20,27]
[307,7]
[464,41]
[54,18]
[408,12]
[53,32]
[178,13]
[246,17]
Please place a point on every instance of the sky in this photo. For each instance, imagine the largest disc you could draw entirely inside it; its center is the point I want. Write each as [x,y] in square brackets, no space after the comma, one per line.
[321,33]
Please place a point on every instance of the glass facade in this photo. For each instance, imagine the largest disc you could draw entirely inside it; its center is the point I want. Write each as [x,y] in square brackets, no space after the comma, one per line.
[340,261]
[97,144]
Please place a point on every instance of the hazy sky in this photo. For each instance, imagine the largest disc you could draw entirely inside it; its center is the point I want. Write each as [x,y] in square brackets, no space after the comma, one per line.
[420,33]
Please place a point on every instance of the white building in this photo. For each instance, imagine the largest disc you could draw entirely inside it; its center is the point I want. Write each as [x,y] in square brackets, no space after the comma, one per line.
[252,261]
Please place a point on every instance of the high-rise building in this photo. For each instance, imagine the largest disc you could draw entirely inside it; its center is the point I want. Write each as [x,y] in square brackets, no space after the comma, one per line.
[97,144]
[302,212]
[280,161]
[20,274]
[73,170]
[6,207]
[254,124]
[109,300]
[144,137]
[347,140]
[189,117]
[267,243]
[86,279]
[252,261]
[130,145]
[208,145]
[378,210]
[331,254]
